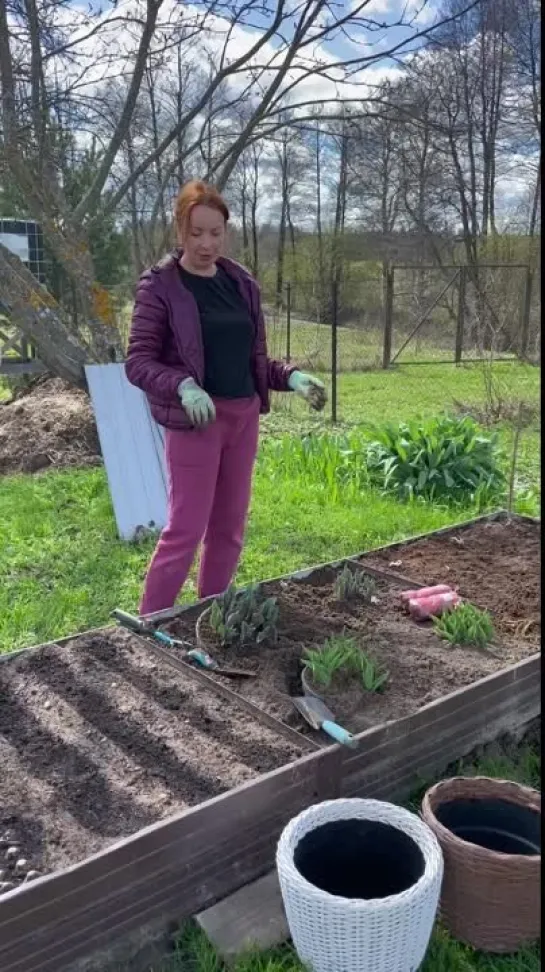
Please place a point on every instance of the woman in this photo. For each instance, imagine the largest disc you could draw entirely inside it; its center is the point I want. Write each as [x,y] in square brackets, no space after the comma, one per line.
[197,348]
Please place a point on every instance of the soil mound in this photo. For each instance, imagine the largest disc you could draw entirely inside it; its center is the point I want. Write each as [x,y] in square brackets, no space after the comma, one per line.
[51,426]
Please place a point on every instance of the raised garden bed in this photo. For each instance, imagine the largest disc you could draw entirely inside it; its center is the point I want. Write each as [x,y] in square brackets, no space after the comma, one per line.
[98,739]
[495,562]
[421,666]
[155,760]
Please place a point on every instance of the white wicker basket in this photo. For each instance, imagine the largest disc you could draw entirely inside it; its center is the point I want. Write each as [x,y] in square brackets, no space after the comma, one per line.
[336,934]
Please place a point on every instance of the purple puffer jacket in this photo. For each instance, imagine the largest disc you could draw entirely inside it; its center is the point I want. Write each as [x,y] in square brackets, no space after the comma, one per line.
[165,343]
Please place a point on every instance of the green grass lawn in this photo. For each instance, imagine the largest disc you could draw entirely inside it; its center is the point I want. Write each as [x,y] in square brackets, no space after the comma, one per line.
[357,348]
[194,954]
[63,569]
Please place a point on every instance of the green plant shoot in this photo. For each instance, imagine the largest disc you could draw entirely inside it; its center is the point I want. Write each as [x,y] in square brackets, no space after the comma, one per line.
[465,625]
[243,617]
[352,584]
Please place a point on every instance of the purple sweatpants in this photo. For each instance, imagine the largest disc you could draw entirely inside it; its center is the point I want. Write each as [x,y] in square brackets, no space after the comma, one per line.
[210,482]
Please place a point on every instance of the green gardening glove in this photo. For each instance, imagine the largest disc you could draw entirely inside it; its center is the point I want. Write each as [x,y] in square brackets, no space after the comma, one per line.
[309,388]
[196,403]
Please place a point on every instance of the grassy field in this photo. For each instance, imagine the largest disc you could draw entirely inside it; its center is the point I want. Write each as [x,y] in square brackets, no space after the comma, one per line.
[357,348]
[64,570]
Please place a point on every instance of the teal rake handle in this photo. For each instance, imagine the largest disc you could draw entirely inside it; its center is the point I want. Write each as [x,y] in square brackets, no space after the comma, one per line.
[142,628]
[339,734]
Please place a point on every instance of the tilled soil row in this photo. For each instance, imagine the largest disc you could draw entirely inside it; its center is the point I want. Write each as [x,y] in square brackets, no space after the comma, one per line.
[99,739]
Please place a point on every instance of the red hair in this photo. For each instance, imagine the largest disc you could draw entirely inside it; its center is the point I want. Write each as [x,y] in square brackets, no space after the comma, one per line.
[193,194]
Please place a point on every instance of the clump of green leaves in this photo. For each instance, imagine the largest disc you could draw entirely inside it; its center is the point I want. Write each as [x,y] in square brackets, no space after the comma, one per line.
[342,654]
[373,677]
[332,464]
[351,584]
[332,657]
[444,458]
[245,616]
[465,625]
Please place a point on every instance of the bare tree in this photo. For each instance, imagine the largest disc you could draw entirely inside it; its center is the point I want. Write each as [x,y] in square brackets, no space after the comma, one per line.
[524,40]
[80,50]
[288,165]
[245,191]
[376,177]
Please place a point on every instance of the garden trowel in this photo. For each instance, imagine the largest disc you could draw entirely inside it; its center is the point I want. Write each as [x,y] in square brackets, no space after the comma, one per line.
[201,658]
[317,714]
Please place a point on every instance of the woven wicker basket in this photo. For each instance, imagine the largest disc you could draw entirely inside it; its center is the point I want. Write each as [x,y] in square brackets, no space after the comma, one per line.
[337,934]
[490,900]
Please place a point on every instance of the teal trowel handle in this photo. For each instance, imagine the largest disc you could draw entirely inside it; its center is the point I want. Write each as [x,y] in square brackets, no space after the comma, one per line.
[195,654]
[339,734]
[141,627]
[161,636]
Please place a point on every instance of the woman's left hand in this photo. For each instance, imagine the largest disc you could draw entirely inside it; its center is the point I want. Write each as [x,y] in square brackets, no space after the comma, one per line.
[309,388]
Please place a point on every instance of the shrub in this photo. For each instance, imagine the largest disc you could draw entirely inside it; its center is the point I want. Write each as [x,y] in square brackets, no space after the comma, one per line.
[444,458]
[241,617]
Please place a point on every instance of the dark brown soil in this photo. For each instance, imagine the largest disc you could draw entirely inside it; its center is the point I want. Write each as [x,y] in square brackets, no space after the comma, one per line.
[98,739]
[495,564]
[50,427]
[422,667]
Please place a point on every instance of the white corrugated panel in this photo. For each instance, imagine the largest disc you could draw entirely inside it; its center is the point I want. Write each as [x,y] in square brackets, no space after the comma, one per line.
[132,447]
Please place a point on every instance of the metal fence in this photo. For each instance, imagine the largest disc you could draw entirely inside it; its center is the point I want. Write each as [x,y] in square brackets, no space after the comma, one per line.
[406,315]
[380,316]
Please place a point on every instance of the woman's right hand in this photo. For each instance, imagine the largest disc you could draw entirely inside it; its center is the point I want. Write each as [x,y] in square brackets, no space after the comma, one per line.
[196,403]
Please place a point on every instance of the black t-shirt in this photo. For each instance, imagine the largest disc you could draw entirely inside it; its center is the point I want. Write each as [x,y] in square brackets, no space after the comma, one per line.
[227,332]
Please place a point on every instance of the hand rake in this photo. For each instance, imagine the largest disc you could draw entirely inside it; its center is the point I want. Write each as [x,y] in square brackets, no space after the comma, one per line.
[196,655]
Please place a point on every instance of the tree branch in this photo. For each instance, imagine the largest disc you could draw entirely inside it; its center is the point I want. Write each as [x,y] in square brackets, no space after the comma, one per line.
[228,70]
[90,199]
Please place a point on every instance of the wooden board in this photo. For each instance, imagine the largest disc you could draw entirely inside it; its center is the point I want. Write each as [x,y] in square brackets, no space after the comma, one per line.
[171,870]
[252,918]
[11,367]
[132,446]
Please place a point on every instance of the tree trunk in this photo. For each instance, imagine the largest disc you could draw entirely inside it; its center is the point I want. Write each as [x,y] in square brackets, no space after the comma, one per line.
[155,143]
[319,229]
[281,251]
[253,215]
[340,213]
[133,203]
[180,138]
[41,320]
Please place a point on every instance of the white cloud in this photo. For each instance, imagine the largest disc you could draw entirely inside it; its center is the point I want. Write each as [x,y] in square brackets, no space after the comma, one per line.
[421,9]
[374,6]
[108,55]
